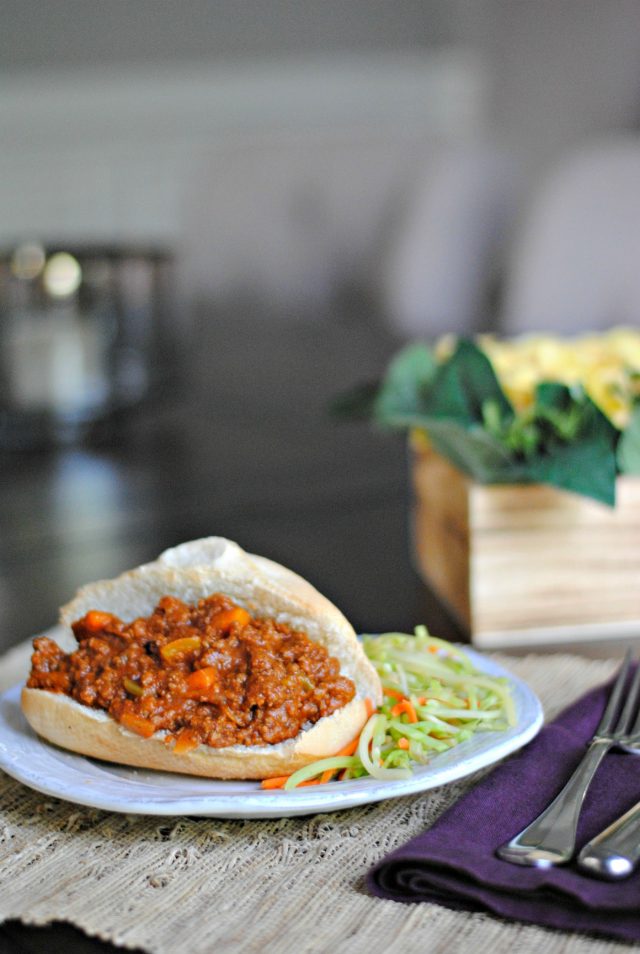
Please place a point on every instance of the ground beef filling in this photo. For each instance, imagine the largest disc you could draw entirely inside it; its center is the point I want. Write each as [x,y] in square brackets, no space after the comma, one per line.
[209,673]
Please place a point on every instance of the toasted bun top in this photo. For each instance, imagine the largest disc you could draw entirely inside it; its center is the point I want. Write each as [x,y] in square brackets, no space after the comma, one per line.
[197,569]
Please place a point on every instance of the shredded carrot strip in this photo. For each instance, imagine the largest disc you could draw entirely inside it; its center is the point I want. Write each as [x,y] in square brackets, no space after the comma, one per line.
[395,693]
[277,782]
[350,747]
[319,779]
[326,776]
[405,706]
[403,743]
[369,706]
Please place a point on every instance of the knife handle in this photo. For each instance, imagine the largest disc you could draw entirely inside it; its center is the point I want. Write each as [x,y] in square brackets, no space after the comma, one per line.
[615,852]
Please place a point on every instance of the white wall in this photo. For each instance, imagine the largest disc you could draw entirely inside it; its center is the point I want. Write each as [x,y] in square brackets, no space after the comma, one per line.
[48,36]
[272,177]
[561,72]
[274,142]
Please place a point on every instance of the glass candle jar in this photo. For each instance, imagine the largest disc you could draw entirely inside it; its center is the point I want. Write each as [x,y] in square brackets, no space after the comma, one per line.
[84,332]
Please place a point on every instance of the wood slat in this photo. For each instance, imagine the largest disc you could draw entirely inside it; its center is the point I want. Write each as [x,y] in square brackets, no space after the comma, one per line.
[527,560]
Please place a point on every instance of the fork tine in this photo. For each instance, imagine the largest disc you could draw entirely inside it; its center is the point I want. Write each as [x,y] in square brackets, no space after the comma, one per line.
[606,722]
[630,710]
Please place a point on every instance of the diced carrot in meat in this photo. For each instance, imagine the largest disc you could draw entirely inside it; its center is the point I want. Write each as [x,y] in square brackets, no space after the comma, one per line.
[186,741]
[95,620]
[226,618]
[138,724]
[202,679]
[187,644]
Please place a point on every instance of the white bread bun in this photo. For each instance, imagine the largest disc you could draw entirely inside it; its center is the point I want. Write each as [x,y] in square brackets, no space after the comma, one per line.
[191,572]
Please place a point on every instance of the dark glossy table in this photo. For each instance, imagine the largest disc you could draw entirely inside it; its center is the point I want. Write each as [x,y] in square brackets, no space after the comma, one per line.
[239,445]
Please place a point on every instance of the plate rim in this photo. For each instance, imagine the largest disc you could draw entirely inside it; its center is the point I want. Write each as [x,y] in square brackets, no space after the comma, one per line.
[260,803]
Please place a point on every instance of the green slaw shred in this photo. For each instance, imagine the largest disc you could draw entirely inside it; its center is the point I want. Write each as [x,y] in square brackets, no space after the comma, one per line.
[446,701]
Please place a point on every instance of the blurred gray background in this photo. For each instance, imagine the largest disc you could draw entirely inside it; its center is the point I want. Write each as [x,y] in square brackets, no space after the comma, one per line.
[292,152]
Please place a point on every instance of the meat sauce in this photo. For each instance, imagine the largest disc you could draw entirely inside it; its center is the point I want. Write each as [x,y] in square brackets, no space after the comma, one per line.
[209,673]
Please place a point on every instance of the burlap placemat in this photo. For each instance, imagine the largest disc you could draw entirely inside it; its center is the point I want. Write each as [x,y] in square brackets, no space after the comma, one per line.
[292,885]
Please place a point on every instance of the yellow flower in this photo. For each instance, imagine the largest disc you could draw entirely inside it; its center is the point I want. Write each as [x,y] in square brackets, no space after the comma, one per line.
[607,366]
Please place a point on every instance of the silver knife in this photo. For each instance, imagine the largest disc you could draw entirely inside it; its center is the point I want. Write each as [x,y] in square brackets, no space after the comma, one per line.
[615,852]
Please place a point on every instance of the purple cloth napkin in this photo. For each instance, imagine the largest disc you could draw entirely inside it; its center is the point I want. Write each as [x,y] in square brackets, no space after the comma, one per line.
[454,862]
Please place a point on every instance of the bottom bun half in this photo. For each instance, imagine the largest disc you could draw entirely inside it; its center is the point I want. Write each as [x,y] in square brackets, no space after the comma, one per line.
[92,732]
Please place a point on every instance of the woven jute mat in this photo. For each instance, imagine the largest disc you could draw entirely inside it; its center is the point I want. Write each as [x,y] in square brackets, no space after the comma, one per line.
[289,885]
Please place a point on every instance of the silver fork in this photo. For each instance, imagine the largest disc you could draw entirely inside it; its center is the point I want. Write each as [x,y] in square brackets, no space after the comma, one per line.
[551,838]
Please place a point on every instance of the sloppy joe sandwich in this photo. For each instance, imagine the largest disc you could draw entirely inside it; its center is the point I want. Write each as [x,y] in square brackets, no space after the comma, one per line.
[208,661]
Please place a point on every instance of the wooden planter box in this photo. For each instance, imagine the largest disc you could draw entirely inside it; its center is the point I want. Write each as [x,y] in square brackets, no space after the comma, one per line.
[520,564]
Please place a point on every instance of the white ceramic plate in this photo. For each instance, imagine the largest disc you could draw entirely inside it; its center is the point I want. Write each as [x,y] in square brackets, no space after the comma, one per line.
[75,778]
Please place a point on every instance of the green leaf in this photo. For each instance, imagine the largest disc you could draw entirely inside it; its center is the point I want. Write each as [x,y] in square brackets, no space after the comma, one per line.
[470,449]
[474,452]
[629,446]
[561,406]
[586,465]
[406,383]
[463,385]
[551,394]
[449,401]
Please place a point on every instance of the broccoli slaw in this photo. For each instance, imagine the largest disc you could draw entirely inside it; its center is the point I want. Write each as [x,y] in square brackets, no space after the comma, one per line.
[434,698]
